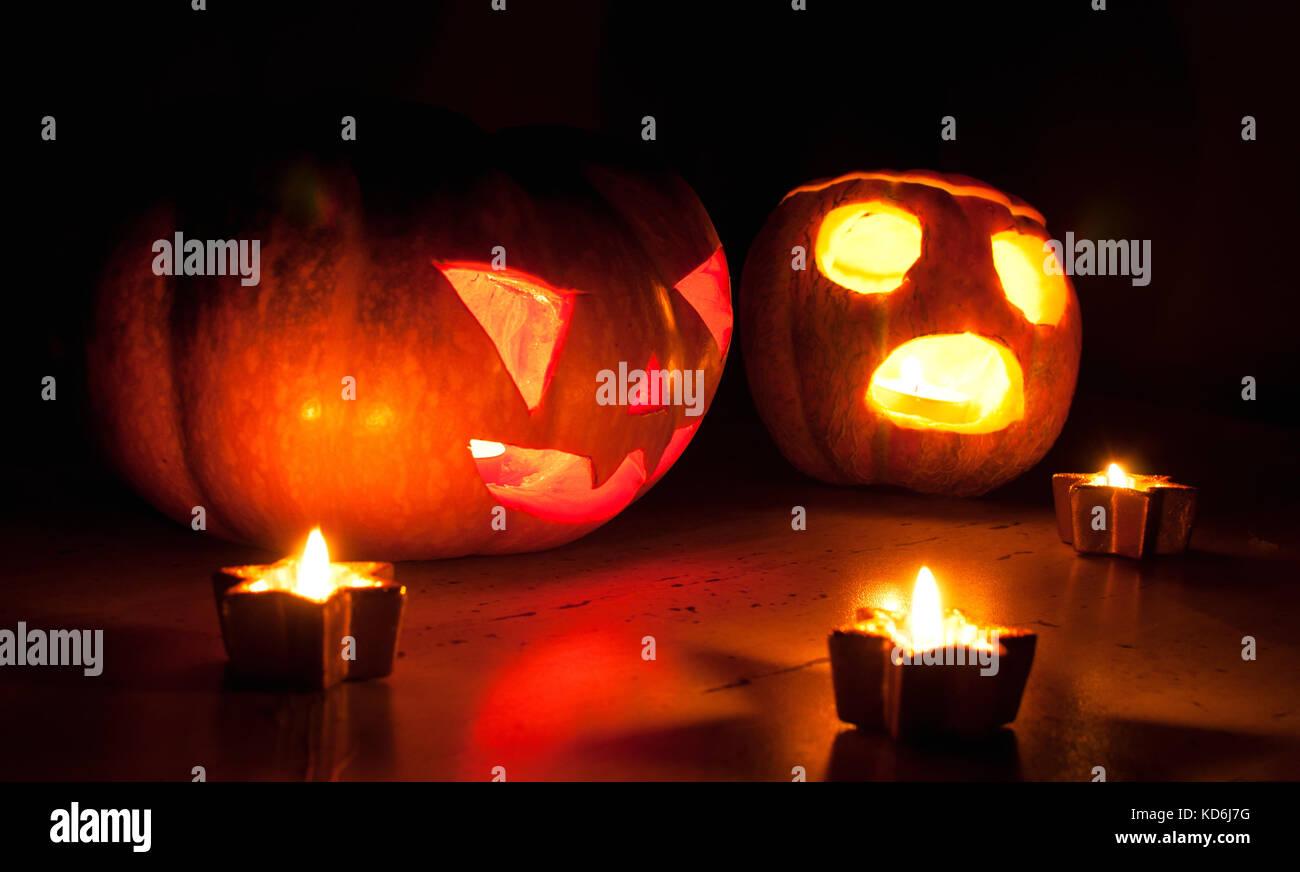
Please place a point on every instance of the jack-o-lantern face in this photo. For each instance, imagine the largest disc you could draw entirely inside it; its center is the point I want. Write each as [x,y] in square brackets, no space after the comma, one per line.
[528,321]
[901,328]
[417,374]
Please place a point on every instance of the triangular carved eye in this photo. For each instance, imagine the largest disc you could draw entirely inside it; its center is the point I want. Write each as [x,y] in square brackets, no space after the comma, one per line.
[525,318]
[708,290]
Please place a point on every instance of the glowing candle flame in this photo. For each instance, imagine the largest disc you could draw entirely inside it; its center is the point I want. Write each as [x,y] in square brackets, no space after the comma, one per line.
[926,618]
[924,626]
[1115,476]
[481,448]
[313,579]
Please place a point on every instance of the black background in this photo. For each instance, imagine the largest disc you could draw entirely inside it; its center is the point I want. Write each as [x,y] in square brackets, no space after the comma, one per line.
[1122,124]
[836,823]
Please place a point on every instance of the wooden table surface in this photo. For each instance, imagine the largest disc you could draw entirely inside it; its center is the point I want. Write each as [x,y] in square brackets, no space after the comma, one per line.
[534,662]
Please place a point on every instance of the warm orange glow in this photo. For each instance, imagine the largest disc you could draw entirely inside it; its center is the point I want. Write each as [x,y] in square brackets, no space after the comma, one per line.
[311,576]
[1020,262]
[925,626]
[975,189]
[955,381]
[381,415]
[1115,477]
[311,410]
[556,485]
[868,247]
[525,318]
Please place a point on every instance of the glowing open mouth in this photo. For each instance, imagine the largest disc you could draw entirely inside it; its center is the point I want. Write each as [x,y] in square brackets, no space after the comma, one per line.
[958,382]
[556,485]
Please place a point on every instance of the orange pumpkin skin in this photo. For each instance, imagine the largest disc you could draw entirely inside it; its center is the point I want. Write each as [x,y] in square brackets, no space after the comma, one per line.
[811,345]
[231,398]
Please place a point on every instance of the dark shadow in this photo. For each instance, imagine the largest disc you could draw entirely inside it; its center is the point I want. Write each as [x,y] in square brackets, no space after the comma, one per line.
[265,732]
[135,657]
[720,749]
[857,755]
[1149,751]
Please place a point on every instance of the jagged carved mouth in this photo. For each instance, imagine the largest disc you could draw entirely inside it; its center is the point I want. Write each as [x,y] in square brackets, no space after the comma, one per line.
[556,485]
[958,382]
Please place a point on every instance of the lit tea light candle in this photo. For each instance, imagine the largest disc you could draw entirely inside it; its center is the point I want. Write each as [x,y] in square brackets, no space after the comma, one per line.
[1113,512]
[1114,476]
[921,670]
[911,394]
[309,620]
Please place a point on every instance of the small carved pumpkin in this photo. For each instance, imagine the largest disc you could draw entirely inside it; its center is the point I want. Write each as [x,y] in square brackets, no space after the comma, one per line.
[902,328]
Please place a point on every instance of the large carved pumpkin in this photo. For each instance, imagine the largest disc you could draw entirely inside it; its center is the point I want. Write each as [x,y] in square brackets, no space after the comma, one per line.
[473,381]
[901,328]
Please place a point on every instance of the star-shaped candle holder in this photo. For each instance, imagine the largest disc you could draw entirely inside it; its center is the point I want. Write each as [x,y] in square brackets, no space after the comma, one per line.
[1128,515]
[308,621]
[940,676]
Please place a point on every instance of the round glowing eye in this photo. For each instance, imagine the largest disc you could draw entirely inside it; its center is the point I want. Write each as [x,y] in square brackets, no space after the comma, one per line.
[868,247]
[1030,284]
